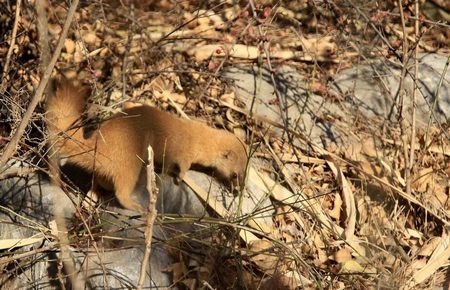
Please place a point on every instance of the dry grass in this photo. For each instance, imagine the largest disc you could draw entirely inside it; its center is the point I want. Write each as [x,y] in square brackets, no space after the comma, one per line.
[368,213]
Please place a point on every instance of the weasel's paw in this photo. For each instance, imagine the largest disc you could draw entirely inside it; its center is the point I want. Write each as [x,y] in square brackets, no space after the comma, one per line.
[134,206]
[178,179]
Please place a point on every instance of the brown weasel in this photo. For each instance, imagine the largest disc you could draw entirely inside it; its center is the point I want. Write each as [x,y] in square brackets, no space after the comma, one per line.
[117,150]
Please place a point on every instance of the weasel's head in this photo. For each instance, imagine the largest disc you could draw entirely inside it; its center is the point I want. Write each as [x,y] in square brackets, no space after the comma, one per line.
[232,163]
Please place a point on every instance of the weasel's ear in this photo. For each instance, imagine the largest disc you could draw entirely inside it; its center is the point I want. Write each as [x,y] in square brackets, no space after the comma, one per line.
[227,154]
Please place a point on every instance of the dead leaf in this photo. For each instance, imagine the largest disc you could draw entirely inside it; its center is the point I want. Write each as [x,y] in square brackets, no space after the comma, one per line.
[335,211]
[190,283]
[415,266]
[91,38]
[362,207]
[351,266]
[349,199]
[438,259]
[266,260]
[356,248]
[54,29]
[343,255]
[279,281]
[429,247]
[322,258]
[423,180]
[9,244]
[228,97]
[69,45]
[80,52]
[319,46]
[204,52]
[178,271]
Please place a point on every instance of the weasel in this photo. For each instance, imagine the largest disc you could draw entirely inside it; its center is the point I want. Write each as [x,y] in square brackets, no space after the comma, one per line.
[117,150]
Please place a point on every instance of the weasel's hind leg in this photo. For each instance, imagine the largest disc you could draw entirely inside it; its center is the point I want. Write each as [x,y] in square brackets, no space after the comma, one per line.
[124,186]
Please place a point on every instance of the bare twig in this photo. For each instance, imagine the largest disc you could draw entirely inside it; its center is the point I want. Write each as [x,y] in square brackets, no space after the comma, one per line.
[11,47]
[414,96]
[441,4]
[435,102]
[46,67]
[302,138]
[42,27]
[127,50]
[80,279]
[401,89]
[282,102]
[422,20]
[151,216]
[4,260]
[77,280]
[11,146]
[401,95]
[17,172]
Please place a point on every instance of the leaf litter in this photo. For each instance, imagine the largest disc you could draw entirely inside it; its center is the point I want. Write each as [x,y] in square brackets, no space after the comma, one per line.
[342,218]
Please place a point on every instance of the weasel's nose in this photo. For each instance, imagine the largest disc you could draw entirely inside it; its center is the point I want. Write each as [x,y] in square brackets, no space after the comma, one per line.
[237,183]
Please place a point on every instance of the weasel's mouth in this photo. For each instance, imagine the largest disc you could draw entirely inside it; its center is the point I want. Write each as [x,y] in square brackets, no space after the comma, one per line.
[236,183]
[237,188]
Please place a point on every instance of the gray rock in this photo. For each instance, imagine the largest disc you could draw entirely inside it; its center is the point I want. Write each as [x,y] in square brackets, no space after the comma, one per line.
[370,91]
[373,88]
[27,208]
[303,111]
[28,203]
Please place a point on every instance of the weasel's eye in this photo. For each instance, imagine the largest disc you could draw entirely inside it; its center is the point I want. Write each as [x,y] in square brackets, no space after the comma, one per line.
[235,175]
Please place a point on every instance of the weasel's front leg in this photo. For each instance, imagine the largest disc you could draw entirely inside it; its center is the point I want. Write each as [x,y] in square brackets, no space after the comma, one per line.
[182,168]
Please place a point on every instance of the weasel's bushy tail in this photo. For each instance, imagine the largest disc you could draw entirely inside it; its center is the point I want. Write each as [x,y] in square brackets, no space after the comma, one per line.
[64,109]
[65,105]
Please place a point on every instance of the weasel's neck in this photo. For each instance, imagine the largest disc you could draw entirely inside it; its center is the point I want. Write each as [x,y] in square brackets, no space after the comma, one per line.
[206,150]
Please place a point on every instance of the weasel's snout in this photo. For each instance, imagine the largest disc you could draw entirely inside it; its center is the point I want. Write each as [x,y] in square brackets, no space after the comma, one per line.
[237,183]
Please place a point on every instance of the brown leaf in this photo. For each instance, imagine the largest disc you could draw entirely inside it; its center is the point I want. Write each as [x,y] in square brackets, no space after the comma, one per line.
[69,45]
[342,255]
[335,211]
[430,246]
[178,270]
[423,180]
[265,260]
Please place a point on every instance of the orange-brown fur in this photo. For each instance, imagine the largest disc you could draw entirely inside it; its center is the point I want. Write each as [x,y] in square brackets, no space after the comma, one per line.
[117,150]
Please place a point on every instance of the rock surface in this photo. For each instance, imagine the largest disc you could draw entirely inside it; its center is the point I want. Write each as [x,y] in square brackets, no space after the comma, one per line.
[368,90]
[28,206]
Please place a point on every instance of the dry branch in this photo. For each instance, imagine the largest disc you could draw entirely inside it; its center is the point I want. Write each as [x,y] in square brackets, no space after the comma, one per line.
[11,48]
[46,67]
[151,216]
[42,27]
[11,146]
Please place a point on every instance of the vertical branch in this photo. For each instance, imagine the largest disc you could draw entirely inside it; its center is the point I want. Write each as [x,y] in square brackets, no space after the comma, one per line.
[401,91]
[11,146]
[42,27]
[45,69]
[127,52]
[151,216]
[77,280]
[414,95]
[11,47]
